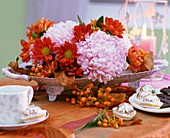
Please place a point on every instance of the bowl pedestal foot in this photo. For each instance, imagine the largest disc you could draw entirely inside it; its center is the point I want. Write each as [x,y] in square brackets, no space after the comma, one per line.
[53,92]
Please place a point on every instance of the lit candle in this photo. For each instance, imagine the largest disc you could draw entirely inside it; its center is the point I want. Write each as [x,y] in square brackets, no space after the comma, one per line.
[148,43]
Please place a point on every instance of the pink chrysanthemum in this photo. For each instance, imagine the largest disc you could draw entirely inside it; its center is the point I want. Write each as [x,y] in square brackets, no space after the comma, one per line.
[61,32]
[103,57]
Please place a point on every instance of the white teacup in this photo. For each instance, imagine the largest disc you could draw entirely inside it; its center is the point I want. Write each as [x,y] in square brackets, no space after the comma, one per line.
[14,99]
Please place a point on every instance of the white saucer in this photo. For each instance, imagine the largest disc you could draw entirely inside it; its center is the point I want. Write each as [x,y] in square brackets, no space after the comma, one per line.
[132,100]
[118,115]
[21,125]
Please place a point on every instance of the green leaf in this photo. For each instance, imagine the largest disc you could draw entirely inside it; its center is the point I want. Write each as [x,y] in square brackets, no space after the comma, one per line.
[79,19]
[100,20]
[93,123]
[34,35]
[42,33]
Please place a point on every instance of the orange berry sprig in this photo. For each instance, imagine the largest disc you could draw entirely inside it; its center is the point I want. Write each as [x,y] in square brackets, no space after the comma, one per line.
[42,70]
[104,118]
[104,97]
[37,71]
[108,120]
[86,97]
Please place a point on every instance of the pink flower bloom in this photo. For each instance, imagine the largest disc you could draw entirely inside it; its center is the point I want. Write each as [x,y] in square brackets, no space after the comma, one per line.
[103,57]
[61,32]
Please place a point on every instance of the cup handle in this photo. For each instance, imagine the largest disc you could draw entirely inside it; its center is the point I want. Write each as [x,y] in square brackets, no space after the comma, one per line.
[30,94]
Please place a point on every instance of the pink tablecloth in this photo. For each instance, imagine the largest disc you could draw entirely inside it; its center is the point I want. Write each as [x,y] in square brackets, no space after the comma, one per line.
[165,82]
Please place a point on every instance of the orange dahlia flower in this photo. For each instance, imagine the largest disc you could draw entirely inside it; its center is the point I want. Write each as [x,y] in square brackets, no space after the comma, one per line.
[43,49]
[136,57]
[36,30]
[140,60]
[66,54]
[113,27]
[80,31]
[49,68]
[94,26]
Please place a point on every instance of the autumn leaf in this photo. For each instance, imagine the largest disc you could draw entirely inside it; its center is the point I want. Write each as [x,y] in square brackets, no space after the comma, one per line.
[119,98]
[15,66]
[132,122]
[63,79]
[149,61]
[135,122]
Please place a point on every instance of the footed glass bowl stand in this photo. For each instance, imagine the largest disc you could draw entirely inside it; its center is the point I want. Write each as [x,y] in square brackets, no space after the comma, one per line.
[54,88]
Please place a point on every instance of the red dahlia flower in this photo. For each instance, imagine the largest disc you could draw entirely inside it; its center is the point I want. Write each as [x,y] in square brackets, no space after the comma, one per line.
[66,54]
[25,55]
[80,31]
[74,70]
[43,49]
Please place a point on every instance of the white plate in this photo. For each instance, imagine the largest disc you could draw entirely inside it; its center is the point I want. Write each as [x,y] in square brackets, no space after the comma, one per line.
[21,125]
[157,90]
[137,106]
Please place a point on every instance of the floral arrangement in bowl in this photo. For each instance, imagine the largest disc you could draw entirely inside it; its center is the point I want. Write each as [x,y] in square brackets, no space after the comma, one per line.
[69,50]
